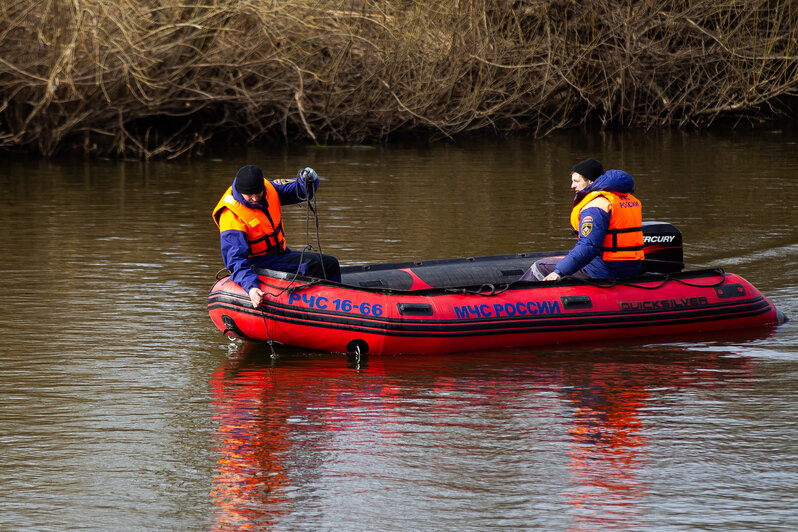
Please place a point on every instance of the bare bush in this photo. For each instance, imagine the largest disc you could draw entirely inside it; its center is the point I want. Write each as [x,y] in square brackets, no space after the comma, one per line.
[147,78]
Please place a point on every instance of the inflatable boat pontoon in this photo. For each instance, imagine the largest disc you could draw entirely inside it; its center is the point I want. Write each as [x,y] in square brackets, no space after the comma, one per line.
[477,303]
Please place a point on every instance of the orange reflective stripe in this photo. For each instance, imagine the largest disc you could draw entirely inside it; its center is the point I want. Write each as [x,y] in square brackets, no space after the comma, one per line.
[264,229]
[624,238]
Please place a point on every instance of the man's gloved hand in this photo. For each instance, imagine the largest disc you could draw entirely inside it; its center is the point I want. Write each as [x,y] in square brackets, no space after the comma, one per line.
[309,180]
[308,175]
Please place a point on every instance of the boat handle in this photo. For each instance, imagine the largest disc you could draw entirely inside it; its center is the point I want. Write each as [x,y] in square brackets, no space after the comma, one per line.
[576,302]
[414,309]
[730,290]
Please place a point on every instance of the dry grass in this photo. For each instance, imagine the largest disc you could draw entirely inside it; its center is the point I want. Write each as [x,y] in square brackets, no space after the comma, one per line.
[149,78]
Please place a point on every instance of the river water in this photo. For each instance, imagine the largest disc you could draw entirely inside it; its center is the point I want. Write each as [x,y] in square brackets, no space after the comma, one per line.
[123,408]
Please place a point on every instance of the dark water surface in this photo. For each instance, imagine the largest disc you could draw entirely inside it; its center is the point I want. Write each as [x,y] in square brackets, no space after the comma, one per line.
[123,408]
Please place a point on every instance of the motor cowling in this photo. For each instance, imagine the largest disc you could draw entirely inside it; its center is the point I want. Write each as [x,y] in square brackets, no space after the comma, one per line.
[662,244]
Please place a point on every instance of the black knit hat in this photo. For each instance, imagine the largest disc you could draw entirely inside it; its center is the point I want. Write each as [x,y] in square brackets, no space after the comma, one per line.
[590,169]
[249,180]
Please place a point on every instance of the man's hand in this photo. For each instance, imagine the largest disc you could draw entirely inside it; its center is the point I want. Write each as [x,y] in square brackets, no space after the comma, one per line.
[255,295]
[553,276]
[308,175]
[308,179]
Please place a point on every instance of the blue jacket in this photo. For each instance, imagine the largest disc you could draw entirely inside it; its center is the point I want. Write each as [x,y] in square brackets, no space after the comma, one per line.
[234,245]
[587,251]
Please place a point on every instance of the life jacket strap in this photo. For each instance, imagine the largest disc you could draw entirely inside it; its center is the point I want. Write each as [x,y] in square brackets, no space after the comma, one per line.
[615,233]
[621,248]
[274,241]
[625,230]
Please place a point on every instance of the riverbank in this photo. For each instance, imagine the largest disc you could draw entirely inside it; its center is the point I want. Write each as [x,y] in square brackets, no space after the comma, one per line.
[161,79]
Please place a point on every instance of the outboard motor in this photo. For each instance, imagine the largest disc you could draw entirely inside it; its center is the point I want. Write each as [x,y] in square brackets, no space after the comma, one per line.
[662,244]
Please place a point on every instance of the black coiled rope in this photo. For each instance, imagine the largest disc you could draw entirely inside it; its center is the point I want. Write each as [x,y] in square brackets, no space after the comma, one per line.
[291,286]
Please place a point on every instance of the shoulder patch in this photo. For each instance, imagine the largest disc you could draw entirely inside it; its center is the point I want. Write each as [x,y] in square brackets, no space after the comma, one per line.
[586,229]
[282,181]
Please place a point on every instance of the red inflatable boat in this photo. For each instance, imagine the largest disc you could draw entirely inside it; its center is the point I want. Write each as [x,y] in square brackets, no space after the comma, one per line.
[472,304]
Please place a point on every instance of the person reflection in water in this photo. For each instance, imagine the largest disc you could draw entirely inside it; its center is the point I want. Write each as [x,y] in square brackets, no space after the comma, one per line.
[277,422]
[607,447]
[608,220]
[250,223]
[250,482]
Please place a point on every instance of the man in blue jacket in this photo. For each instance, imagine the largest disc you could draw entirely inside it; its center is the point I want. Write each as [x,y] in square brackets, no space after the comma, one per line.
[608,219]
[249,217]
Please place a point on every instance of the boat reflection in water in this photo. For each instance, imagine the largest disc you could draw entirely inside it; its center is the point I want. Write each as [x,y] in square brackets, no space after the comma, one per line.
[303,430]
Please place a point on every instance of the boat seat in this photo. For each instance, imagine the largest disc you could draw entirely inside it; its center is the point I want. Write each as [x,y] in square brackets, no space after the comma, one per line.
[446,273]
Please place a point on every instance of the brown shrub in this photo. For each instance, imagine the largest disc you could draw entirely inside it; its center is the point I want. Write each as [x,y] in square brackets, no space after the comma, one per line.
[159,78]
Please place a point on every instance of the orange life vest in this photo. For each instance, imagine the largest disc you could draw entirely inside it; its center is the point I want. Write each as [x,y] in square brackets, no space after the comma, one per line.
[264,229]
[624,238]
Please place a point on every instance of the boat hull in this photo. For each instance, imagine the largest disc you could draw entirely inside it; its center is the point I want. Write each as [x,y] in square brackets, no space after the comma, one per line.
[330,317]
